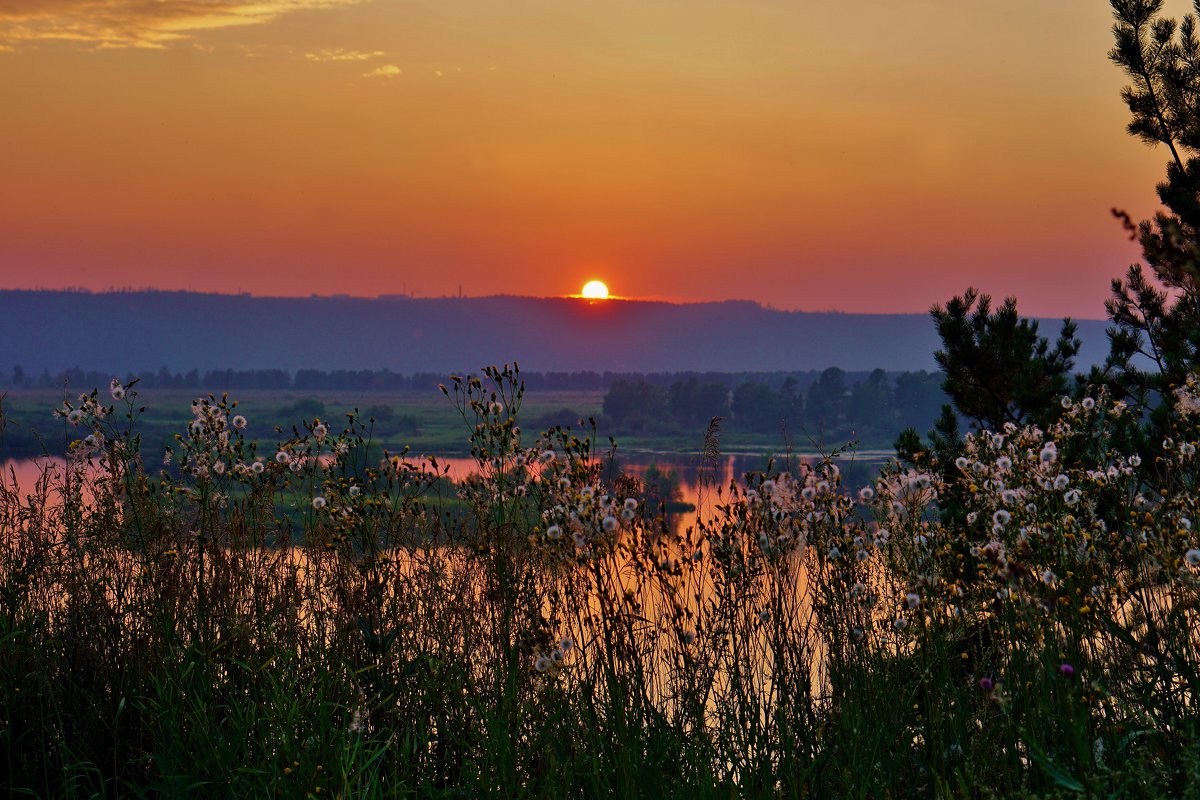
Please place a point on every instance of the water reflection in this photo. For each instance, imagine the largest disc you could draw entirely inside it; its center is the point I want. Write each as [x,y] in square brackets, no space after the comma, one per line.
[700,487]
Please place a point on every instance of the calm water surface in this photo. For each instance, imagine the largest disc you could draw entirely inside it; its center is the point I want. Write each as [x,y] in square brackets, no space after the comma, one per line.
[699,487]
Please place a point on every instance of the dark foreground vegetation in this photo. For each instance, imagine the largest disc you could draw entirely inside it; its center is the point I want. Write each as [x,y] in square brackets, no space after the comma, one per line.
[1010,611]
[1024,623]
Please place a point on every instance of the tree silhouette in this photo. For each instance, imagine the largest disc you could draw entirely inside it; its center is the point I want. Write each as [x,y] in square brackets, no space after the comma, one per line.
[1155,336]
[998,369]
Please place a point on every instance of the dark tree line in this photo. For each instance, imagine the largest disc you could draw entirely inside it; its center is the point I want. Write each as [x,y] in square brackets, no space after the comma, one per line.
[874,406]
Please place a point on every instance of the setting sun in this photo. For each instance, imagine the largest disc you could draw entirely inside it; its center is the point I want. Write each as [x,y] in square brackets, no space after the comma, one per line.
[595,290]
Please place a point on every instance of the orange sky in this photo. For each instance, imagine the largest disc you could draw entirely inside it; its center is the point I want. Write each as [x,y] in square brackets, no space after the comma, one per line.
[862,156]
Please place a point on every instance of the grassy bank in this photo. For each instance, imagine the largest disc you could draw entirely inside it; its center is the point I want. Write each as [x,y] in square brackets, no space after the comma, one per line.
[423,421]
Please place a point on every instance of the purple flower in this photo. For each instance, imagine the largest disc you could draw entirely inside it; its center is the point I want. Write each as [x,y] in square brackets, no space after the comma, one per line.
[1066,669]
[987,684]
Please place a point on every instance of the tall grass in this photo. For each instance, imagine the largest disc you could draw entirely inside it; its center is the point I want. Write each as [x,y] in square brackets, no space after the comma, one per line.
[299,622]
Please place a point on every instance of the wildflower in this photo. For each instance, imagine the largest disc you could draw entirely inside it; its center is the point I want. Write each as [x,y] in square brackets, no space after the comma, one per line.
[1004,463]
[566,644]
[912,599]
[320,431]
[74,416]
[355,491]
[296,465]
[834,553]
[239,422]
[1049,453]
[1187,449]
[554,532]
[318,502]
[866,494]
[962,462]
[688,637]
[987,684]
[1048,577]
[1066,402]
[1001,517]
[282,457]
[1185,523]
[557,655]
[1088,403]
[1193,557]
[900,624]
[1066,669]
[546,456]
[116,390]
[767,487]
[610,523]
[257,467]
[1061,482]
[219,467]
[1072,497]
[808,493]
[627,514]
[1009,496]
[541,664]
[564,483]
[920,540]
[858,634]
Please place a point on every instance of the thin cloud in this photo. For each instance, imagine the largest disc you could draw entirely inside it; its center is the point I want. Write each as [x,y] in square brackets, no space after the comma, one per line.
[339,54]
[136,23]
[385,71]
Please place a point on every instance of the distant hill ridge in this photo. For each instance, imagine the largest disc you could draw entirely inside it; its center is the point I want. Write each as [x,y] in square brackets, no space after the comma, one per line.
[140,330]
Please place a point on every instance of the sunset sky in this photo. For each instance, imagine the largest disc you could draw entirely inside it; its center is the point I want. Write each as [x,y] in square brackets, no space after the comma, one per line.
[861,156]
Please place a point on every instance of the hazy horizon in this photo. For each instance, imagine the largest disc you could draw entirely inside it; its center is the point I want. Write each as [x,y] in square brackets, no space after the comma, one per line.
[765,305]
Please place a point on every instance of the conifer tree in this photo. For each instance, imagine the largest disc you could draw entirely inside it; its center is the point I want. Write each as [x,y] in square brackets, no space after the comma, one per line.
[1155,336]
